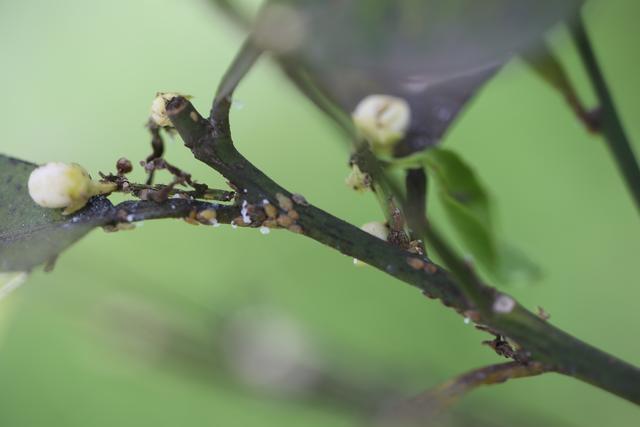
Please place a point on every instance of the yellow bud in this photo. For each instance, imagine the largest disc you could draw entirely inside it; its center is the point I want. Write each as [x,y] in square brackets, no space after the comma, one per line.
[60,185]
[159,108]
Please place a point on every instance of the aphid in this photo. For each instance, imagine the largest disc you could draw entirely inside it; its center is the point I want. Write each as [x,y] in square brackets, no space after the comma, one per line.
[207,216]
[431,268]
[239,221]
[299,199]
[542,313]
[284,202]
[119,226]
[270,210]
[415,263]
[191,219]
[285,221]
[295,228]
[270,223]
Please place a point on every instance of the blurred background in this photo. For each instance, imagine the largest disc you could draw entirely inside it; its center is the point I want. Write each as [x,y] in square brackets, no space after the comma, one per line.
[165,325]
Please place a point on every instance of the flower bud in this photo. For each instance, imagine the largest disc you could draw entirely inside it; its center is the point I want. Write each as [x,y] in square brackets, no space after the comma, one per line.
[124,166]
[62,185]
[159,108]
[377,229]
[382,120]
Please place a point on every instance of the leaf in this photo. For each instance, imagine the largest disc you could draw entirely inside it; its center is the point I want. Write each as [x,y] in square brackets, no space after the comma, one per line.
[469,208]
[9,282]
[31,235]
[434,53]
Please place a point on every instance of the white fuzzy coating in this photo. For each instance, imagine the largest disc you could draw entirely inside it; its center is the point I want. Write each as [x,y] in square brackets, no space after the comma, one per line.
[382,119]
[376,228]
[159,108]
[59,185]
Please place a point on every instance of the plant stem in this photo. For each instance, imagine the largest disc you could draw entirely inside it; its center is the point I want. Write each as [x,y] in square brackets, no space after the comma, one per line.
[541,341]
[429,404]
[612,128]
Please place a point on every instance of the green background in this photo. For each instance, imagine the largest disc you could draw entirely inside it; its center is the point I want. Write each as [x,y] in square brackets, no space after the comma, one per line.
[76,82]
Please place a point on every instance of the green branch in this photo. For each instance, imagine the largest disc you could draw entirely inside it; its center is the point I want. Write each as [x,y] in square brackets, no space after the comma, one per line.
[611,124]
[142,210]
[540,341]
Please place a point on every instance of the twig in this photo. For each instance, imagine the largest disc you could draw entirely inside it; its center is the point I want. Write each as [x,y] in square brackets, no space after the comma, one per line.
[143,210]
[206,194]
[612,128]
[433,402]
[541,59]
[157,147]
[210,141]
[233,12]
[542,342]
[416,189]
[242,63]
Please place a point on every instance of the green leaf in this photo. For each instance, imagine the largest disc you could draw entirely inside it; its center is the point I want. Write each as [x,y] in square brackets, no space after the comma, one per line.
[470,210]
[31,235]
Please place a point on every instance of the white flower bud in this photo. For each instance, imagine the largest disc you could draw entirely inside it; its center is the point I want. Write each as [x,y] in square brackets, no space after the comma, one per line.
[159,108]
[377,229]
[382,120]
[62,185]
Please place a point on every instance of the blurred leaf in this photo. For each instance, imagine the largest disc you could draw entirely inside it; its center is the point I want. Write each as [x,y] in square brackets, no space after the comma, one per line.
[29,234]
[469,208]
[466,203]
[11,281]
[434,53]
